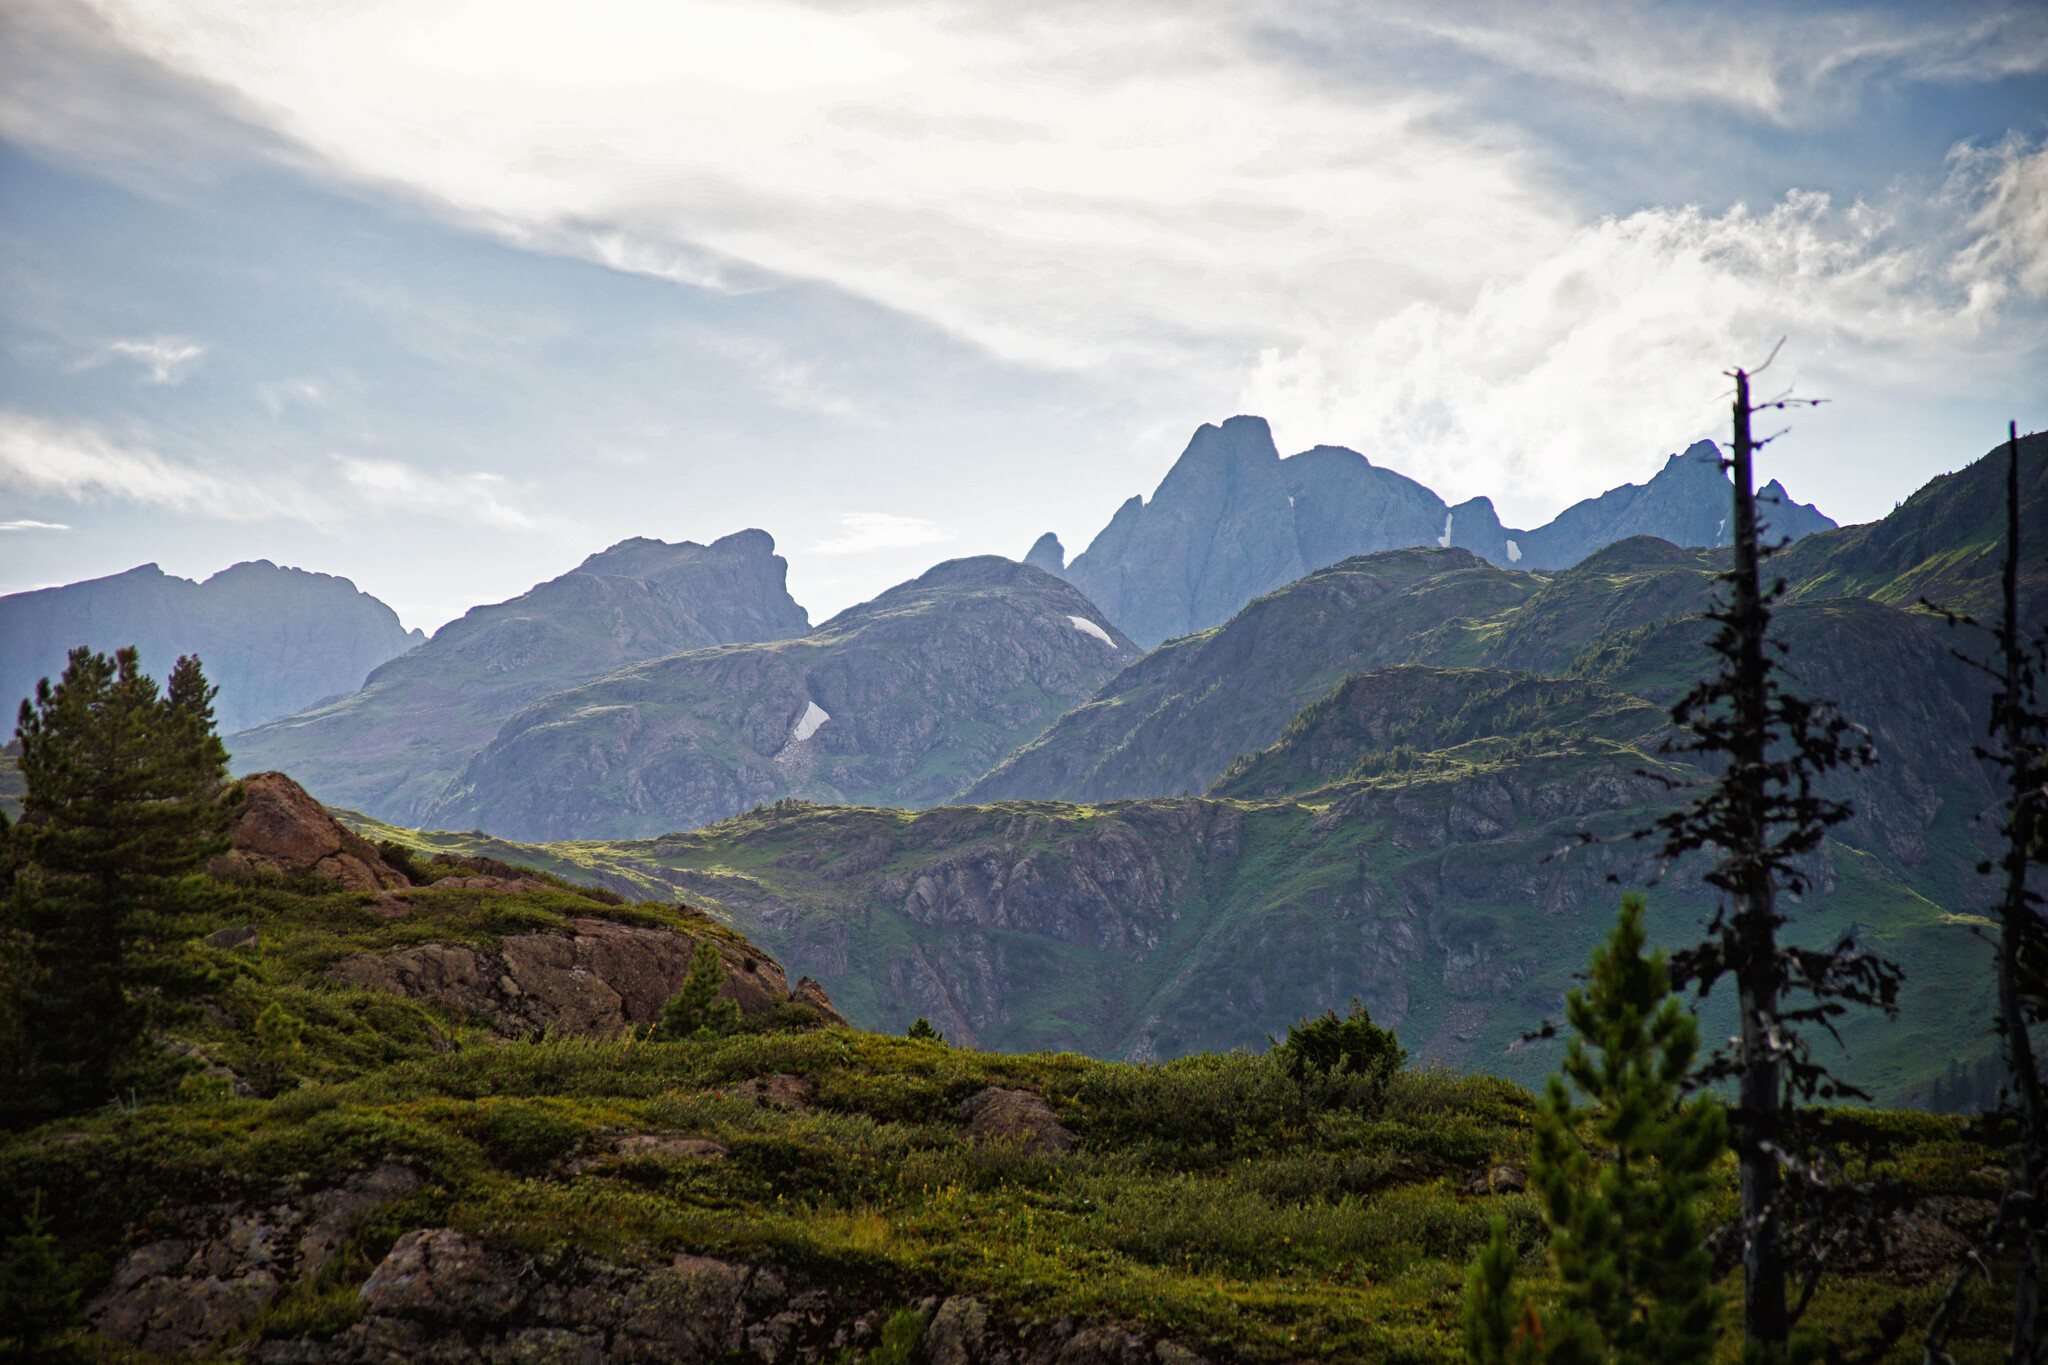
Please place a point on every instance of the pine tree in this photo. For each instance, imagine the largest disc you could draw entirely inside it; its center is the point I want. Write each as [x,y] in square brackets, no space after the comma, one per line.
[2019,730]
[1764,815]
[1625,1229]
[696,1008]
[123,805]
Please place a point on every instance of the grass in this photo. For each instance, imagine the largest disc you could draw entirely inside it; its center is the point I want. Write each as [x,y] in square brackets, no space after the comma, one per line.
[1215,1199]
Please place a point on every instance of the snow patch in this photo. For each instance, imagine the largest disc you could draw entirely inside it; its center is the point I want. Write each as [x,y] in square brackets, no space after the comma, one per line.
[807,724]
[1444,540]
[1514,553]
[1088,627]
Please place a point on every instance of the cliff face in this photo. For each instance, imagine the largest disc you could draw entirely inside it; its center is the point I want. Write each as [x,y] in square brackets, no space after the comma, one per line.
[901,700]
[274,639]
[1232,520]
[392,747]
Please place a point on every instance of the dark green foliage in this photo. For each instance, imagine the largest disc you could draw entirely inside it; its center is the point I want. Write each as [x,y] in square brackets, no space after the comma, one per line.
[902,1340]
[280,1038]
[696,1008]
[1625,1217]
[524,1137]
[37,1302]
[923,1031]
[122,806]
[1327,1045]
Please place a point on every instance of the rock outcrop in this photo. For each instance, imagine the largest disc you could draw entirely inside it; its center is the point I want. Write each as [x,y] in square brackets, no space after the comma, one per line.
[274,640]
[391,748]
[444,1295]
[183,1294]
[998,1114]
[279,828]
[591,982]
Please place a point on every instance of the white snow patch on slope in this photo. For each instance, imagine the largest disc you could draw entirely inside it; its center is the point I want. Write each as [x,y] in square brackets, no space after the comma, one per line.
[1082,623]
[1444,540]
[1514,553]
[807,724]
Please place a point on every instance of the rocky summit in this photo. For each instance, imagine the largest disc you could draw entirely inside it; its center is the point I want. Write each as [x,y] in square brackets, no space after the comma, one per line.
[1233,520]
[392,747]
[902,700]
[274,640]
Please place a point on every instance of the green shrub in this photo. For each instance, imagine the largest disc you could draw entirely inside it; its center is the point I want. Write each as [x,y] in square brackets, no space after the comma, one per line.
[1329,1046]
[696,1009]
[522,1137]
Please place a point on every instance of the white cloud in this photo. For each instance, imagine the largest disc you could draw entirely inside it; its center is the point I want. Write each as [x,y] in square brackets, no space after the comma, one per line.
[166,360]
[1783,66]
[80,463]
[1559,379]
[27,525]
[465,497]
[866,531]
[70,460]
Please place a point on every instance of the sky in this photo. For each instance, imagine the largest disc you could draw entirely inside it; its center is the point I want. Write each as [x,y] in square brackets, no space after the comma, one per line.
[445,295]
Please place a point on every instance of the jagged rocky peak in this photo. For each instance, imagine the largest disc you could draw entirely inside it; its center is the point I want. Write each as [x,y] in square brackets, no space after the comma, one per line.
[274,639]
[1048,554]
[1233,520]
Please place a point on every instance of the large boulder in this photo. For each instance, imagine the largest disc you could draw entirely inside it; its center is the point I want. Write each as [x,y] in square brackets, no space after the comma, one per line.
[591,981]
[281,828]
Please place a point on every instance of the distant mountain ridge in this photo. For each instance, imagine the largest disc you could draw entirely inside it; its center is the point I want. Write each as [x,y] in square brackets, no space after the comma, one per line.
[391,748]
[274,639]
[900,700]
[1233,520]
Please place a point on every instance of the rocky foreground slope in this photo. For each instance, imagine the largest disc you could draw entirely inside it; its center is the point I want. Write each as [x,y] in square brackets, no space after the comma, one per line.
[901,701]
[273,639]
[402,1134]
[393,746]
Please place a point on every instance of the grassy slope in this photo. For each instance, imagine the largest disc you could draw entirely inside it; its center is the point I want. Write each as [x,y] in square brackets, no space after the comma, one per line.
[1212,1200]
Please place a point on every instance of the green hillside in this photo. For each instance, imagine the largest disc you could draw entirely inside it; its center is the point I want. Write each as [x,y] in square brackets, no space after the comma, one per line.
[404,1183]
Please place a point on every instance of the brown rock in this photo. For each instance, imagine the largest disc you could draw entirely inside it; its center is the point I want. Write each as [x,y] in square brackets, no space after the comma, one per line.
[336,1213]
[441,1275]
[809,992]
[780,1091]
[1017,1115]
[1501,1179]
[692,1311]
[240,936]
[592,982]
[282,829]
[657,1146]
[957,1334]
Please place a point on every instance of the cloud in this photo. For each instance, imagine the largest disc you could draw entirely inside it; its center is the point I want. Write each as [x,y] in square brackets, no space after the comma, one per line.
[1563,376]
[866,531]
[78,462]
[81,463]
[1786,66]
[168,360]
[468,497]
[26,525]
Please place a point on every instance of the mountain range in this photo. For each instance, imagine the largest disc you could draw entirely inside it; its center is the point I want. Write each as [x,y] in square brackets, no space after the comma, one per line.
[1232,520]
[394,745]
[1376,781]
[274,640]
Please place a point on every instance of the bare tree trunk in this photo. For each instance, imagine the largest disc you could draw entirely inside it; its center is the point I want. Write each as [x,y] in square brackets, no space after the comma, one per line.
[2015,929]
[1756,971]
